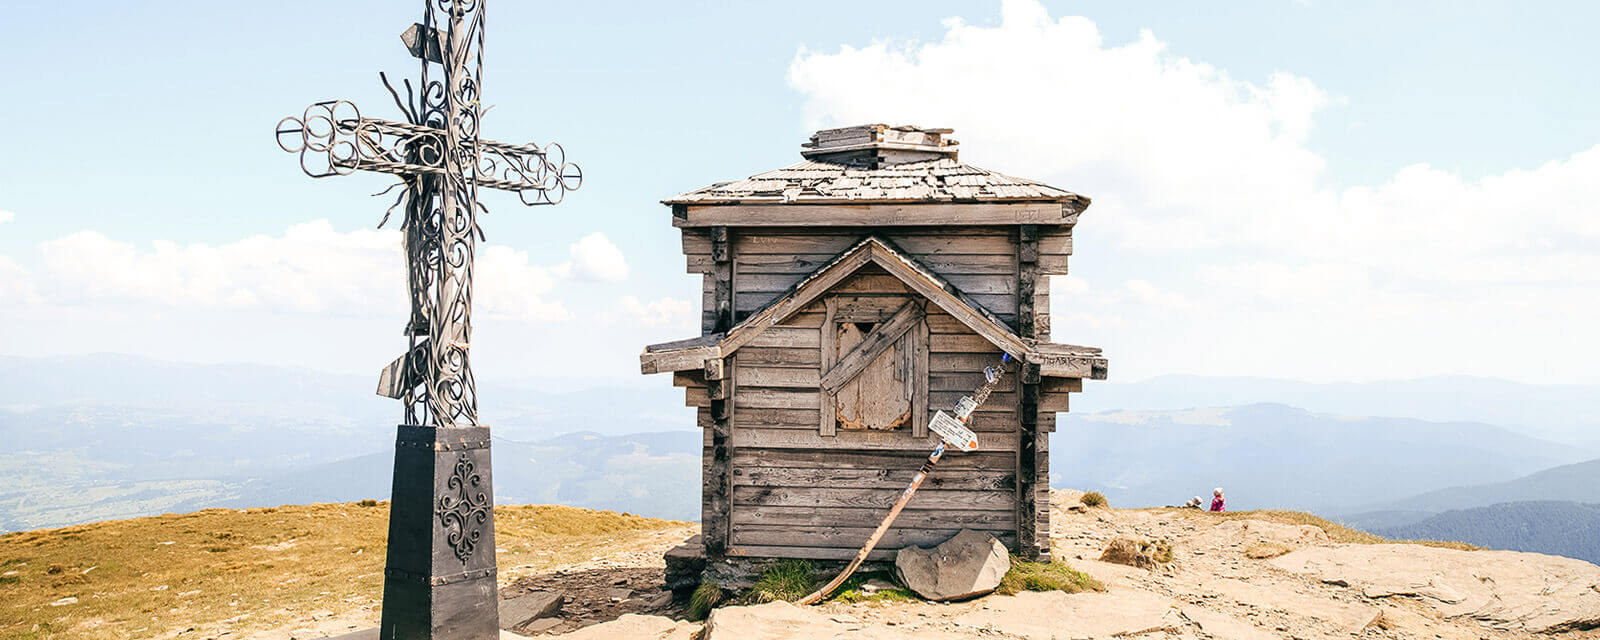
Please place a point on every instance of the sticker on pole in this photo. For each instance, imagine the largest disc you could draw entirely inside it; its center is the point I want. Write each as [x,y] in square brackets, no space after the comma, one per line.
[953,432]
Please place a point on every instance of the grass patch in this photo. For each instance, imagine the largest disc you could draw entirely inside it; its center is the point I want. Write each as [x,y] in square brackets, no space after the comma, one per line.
[1027,575]
[785,580]
[153,577]
[1337,532]
[851,591]
[1093,499]
[705,598]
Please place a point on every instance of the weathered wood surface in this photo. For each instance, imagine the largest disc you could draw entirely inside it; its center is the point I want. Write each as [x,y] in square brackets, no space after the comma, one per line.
[807,553]
[848,537]
[810,438]
[912,518]
[828,497]
[779,357]
[875,215]
[791,377]
[868,348]
[869,478]
[877,460]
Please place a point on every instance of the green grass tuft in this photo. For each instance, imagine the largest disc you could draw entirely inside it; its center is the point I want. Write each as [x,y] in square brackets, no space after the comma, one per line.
[851,591]
[1026,575]
[785,580]
[1093,499]
[705,598]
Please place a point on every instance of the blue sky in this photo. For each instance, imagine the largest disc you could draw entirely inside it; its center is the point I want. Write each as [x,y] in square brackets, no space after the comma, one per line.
[140,151]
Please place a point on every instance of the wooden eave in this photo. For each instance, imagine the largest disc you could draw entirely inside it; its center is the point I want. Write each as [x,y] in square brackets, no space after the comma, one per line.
[809,212]
[1053,359]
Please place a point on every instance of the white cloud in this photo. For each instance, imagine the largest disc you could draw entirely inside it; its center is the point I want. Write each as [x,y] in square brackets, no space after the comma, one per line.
[6,216]
[665,312]
[1212,209]
[310,269]
[595,259]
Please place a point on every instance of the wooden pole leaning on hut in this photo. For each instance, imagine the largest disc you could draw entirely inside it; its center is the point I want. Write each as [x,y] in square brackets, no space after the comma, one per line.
[952,432]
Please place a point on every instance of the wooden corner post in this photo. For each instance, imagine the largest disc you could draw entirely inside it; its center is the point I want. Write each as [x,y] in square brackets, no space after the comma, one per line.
[716,485]
[1033,510]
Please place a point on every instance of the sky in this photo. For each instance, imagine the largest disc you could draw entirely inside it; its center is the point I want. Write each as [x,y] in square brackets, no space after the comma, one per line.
[1301,189]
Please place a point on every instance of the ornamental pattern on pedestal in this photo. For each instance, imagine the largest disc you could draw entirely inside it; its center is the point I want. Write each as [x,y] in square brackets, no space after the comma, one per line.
[463,511]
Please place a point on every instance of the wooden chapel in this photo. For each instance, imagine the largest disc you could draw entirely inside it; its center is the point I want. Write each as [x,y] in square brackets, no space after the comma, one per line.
[846,298]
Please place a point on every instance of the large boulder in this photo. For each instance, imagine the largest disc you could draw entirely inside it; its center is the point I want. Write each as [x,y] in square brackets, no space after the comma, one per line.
[516,613]
[967,566]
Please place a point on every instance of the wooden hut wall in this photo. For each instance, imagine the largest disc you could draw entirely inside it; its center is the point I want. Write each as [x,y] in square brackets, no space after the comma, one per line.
[797,493]
[981,261]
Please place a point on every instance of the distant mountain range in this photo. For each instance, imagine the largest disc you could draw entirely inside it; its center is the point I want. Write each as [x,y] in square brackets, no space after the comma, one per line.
[1560,528]
[653,474]
[1578,482]
[1276,456]
[105,436]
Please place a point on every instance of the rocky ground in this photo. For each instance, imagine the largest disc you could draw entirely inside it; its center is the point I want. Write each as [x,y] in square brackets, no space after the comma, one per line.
[1225,581]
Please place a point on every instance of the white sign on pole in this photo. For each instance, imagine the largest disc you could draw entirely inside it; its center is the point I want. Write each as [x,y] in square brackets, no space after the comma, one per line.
[953,432]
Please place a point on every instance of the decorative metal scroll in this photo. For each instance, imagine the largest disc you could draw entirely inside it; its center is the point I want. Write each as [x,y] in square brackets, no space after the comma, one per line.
[463,512]
[441,163]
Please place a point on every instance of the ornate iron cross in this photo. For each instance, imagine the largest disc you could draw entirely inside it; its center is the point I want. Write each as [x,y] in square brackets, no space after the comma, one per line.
[439,575]
[441,163]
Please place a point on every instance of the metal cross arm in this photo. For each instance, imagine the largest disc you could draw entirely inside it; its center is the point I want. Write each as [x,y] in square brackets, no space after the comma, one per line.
[333,138]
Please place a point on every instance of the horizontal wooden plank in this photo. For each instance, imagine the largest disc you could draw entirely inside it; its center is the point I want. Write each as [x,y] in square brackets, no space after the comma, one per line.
[696,397]
[967,382]
[946,264]
[871,498]
[778,376]
[998,402]
[873,283]
[805,553]
[783,336]
[752,417]
[988,422]
[919,242]
[696,241]
[1053,401]
[810,319]
[695,378]
[1002,519]
[960,343]
[872,215]
[853,439]
[896,460]
[1052,265]
[1061,385]
[963,479]
[775,398]
[961,362]
[1055,242]
[836,537]
[777,357]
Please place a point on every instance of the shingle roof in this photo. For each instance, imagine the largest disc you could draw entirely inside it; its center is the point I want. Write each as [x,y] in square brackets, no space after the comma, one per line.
[941,180]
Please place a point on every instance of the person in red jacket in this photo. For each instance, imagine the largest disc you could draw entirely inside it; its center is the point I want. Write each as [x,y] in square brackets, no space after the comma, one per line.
[1218,503]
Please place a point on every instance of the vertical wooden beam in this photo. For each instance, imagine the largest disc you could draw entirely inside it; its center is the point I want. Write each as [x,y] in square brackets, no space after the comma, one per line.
[715,485]
[1032,446]
[830,355]
[919,380]
[722,272]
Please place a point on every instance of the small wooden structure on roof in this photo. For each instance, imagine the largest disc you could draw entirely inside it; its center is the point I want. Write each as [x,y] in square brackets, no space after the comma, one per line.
[846,298]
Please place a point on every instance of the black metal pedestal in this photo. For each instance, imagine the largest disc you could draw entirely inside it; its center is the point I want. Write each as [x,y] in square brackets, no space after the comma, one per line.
[439,579]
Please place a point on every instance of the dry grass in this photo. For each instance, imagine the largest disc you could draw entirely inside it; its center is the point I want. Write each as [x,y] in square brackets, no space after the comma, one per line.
[1026,575]
[1093,499]
[247,569]
[1337,532]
